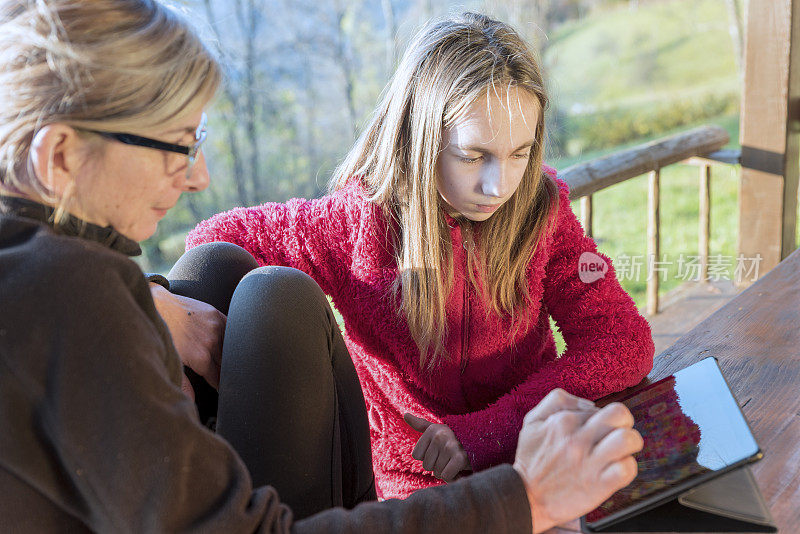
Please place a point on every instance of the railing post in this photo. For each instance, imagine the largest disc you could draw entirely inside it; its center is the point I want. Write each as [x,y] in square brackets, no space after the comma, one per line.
[653,239]
[586,214]
[704,232]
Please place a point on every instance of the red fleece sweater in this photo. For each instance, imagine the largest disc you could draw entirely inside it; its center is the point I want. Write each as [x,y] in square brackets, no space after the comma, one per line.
[344,242]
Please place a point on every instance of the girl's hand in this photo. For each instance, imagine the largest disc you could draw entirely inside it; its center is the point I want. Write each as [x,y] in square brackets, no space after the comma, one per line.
[438,449]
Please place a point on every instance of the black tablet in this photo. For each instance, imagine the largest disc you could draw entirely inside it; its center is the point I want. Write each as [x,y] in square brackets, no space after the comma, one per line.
[693,431]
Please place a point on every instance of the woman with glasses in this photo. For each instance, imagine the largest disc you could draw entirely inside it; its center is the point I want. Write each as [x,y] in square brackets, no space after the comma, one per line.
[101,127]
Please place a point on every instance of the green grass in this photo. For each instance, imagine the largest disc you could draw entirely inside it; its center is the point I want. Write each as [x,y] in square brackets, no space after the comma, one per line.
[622,57]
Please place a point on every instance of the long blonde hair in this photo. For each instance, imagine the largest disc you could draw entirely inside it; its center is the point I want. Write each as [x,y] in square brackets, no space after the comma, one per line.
[448,66]
[114,65]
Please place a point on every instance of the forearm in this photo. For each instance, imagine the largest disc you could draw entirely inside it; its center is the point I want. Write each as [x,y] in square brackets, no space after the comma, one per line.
[489,436]
[493,501]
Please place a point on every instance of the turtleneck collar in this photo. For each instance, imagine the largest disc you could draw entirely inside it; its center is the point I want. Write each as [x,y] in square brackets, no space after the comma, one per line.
[72,226]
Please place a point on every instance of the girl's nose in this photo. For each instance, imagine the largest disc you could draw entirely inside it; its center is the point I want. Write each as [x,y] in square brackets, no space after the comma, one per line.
[495,182]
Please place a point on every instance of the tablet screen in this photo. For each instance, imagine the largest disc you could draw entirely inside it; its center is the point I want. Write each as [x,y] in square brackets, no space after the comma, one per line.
[691,424]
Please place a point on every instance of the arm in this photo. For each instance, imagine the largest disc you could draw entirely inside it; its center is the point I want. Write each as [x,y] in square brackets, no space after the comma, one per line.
[493,501]
[609,346]
[310,235]
[142,463]
[122,434]
[571,457]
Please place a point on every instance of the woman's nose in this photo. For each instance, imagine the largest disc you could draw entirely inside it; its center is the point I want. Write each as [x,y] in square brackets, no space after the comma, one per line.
[198,178]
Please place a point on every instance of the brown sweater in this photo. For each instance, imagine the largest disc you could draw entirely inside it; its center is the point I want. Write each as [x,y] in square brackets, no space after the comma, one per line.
[97,436]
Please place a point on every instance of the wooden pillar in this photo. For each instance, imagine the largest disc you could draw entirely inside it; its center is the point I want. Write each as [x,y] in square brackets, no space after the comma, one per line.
[653,240]
[704,230]
[586,214]
[770,132]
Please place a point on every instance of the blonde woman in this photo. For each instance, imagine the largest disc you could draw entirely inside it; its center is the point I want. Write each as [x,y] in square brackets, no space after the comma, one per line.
[101,130]
[447,246]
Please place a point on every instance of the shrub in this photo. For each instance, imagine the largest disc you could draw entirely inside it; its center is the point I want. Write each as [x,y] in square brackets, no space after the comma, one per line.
[611,127]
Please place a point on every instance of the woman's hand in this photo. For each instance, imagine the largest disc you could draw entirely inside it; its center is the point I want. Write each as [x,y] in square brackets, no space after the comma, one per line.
[197,330]
[572,456]
[438,449]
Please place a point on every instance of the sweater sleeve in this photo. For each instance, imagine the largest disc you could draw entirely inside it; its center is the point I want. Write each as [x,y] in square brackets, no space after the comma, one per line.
[493,501]
[609,344]
[313,236]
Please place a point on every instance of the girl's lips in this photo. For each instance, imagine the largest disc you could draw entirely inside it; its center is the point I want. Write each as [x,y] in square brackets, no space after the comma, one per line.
[487,208]
[161,212]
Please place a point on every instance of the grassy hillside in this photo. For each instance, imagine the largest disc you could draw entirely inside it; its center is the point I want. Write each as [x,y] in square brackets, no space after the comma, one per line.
[624,57]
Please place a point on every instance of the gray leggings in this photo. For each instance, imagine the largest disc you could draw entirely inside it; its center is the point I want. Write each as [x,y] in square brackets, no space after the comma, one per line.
[289,398]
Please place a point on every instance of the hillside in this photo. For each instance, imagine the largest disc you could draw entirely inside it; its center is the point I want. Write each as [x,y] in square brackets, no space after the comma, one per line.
[621,57]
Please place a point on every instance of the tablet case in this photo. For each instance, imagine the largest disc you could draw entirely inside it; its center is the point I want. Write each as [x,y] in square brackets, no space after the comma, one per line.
[729,503]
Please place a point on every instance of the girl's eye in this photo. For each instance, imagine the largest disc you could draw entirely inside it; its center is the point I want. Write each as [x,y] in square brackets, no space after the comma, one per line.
[470,160]
[522,155]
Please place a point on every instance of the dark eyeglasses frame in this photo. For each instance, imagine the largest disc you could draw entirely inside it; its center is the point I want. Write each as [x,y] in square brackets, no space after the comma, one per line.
[137,140]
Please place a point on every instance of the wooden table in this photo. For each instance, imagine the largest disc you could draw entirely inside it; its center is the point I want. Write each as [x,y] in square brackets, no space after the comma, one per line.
[756,338]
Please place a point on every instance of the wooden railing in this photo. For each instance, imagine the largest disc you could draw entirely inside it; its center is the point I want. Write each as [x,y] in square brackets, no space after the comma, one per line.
[700,146]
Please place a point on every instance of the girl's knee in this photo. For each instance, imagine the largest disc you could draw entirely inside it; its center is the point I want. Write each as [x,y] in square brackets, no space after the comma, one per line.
[215,257]
[211,272]
[283,283]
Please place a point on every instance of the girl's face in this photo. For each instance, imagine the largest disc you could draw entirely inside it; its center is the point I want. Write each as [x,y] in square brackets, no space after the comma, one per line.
[484,154]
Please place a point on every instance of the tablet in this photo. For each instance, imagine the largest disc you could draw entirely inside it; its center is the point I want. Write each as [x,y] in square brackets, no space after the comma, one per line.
[693,431]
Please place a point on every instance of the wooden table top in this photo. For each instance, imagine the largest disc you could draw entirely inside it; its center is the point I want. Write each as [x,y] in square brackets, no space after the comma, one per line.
[756,338]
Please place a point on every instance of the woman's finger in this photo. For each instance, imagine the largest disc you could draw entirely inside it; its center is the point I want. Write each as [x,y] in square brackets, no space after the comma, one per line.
[556,401]
[186,387]
[618,444]
[619,474]
[602,423]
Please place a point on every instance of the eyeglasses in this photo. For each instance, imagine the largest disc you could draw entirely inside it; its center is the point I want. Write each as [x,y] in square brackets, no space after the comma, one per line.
[137,140]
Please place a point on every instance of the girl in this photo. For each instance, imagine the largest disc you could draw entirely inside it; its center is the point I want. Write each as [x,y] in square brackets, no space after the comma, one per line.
[447,246]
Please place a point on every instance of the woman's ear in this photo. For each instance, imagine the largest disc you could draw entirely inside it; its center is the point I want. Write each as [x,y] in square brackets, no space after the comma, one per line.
[55,155]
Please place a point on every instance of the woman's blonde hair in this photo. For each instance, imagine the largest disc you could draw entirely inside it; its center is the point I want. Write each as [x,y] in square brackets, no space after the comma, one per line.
[113,65]
[448,66]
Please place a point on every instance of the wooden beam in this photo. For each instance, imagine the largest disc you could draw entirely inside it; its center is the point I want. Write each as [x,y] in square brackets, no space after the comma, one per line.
[592,176]
[769,132]
[731,156]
